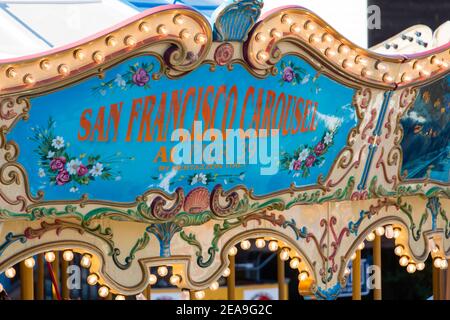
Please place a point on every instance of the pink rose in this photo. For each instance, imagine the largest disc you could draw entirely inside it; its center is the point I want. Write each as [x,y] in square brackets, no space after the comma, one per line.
[297,165]
[57,164]
[141,77]
[310,161]
[288,74]
[82,170]
[319,149]
[62,178]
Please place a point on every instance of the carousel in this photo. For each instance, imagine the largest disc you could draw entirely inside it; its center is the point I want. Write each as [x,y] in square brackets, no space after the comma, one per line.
[162,146]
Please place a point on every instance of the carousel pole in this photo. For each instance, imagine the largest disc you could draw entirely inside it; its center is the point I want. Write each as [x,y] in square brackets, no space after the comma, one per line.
[40,277]
[377,293]
[356,276]
[64,277]
[231,280]
[148,292]
[281,277]
[436,283]
[26,282]
[55,272]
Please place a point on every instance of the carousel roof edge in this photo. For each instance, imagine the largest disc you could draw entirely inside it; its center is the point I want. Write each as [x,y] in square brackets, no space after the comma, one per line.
[237,21]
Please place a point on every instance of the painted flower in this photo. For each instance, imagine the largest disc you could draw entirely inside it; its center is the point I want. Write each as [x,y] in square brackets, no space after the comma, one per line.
[50,154]
[73,165]
[306,79]
[103,92]
[242,176]
[328,138]
[96,170]
[120,81]
[309,162]
[141,77]
[319,149]
[73,189]
[62,178]
[58,142]
[297,165]
[199,178]
[41,173]
[57,164]
[82,170]
[303,155]
[288,74]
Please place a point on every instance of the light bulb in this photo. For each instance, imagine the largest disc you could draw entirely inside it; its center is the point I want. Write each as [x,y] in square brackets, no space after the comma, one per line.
[92,279]
[103,291]
[85,261]
[29,263]
[347,271]
[411,268]
[380,231]
[50,256]
[437,262]
[396,233]
[353,256]
[199,295]
[370,236]
[389,232]
[404,261]
[262,55]
[245,245]
[98,57]
[200,38]
[284,254]
[175,279]
[226,272]
[120,297]
[294,263]
[214,286]
[68,255]
[232,251]
[273,246]
[361,246]
[420,266]
[152,279]
[260,243]
[444,264]
[398,250]
[162,271]
[10,273]
[303,276]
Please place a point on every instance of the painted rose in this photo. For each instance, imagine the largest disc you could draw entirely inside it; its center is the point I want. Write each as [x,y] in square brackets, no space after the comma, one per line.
[82,170]
[309,162]
[62,178]
[141,77]
[297,165]
[319,149]
[57,164]
[288,74]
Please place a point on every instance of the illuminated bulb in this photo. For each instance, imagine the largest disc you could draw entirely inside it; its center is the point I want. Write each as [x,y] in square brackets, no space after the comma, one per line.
[396,233]
[130,41]
[353,256]
[380,66]
[380,231]
[98,57]
[389,232]
[111,42]
[45,64]
[366,72]
[162,271]
[28,79]
[273,246]
[370,236]
[294,263]
[185,34]
[260,243]
[295,28]
[404,261]
[420,266]
[286,19]
[444,264]
[232,251]
[327,38]
[437,262]
[199,295]
[92,279]
[303,276]
[425,73]
[361,60]
[144,27]
[63,69]
[361,246]
[214,286]
[120,297]
[68,255]
[347,64]
[309,25]
[398,250]
[406,77]
[226,272]
[411,268]
[152,279]
[343,49]
[387,78]
[29,263]
[200,38]
[10,273]
[85,261]
[330,52]
[79,54]
[284,254]
[178,19]
[245,245]
[260,37]
[274,33]
[103,291]
[11,73]
[50,256]
[347,271]
[314,38]
[175,279]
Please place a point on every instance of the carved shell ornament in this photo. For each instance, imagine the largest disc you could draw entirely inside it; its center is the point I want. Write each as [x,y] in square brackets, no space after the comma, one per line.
[197,200]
